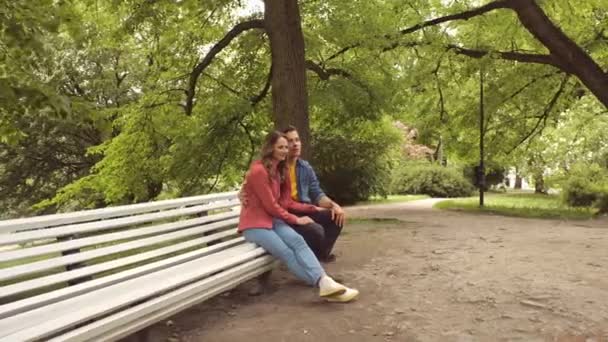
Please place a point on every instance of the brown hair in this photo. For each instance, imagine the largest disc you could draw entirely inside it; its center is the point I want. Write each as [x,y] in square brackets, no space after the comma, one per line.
[290,128]
[266,155]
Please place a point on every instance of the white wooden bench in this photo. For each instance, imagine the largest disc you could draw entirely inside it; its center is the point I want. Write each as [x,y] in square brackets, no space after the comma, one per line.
[100,275]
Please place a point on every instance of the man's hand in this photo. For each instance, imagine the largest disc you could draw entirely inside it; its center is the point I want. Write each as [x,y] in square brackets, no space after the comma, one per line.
[338,215]
[304,220]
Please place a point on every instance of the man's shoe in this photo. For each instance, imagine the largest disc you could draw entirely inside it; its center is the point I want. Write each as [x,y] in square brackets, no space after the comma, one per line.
[345,297]
[329,258]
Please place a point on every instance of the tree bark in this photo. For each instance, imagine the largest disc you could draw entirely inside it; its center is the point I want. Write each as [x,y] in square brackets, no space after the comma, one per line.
[534,19]
[289,94]
[539,183]
[518,180]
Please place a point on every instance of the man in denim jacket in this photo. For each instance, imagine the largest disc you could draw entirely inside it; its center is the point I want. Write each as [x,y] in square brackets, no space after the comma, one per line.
[321,235]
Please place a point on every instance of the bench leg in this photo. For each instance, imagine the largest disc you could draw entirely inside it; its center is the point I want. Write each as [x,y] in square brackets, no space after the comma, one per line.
[73,266]
[262,284]
[211,243]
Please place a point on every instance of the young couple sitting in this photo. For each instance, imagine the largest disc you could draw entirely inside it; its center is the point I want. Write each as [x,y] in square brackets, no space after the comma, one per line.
[278,216]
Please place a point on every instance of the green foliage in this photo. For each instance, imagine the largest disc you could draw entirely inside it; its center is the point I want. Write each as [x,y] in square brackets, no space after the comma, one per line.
[430,179]
[26,58]
[51,154]
[92,96]
[351,167]
[587,185]
[579,136]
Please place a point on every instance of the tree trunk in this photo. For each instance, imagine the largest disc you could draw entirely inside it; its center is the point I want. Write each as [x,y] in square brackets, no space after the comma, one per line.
[568,52]
[289,94]
[539,184]
[518,180]
[439,155]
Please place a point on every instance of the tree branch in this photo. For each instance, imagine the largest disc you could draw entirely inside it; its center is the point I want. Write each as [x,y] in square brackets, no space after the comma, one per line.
[217,48]
[323,73]
[251,141]
[544,116]
[530,83]
[259,97]
[224,85]
[513,56]
[568,52]
[466,15]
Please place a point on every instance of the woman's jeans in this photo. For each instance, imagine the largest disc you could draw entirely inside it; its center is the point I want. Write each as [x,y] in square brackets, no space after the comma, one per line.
[288,246]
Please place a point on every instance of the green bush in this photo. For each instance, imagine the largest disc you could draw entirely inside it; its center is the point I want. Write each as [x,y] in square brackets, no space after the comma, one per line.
[430,179]
[586,185]
[579,192]
[353,168]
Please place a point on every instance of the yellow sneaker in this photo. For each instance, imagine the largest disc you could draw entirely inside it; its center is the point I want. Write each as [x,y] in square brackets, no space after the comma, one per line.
[345,297]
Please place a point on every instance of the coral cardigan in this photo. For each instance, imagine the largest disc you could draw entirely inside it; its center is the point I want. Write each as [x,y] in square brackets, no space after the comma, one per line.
[268,199]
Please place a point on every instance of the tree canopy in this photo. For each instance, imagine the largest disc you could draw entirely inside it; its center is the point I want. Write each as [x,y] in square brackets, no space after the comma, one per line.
[108,102]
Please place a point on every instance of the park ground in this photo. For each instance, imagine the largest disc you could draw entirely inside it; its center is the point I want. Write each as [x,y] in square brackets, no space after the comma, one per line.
[429,275]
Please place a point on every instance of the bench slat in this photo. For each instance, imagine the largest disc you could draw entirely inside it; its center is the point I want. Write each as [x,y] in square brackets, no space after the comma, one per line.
[51,319]
[133,319]
[28,285]
[98,239]
[15,238]
[39,266]
[8,226]
[27,304]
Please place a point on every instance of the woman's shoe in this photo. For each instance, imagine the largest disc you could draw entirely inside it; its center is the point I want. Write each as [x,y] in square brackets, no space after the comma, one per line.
[329,287]
[345,297]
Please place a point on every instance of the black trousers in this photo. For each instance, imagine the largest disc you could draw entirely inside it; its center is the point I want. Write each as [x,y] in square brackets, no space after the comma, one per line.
[321,235]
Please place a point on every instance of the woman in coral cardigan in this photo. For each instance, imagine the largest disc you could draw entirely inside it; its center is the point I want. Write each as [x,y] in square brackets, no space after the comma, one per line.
[265,220]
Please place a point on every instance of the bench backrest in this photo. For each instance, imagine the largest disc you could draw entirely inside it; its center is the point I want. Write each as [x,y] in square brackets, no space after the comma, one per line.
[49,258]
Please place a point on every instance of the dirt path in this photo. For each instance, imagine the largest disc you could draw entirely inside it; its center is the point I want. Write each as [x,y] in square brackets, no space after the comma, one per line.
[429,275]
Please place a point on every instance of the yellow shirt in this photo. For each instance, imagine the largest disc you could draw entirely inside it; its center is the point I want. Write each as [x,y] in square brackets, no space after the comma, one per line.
[294,181]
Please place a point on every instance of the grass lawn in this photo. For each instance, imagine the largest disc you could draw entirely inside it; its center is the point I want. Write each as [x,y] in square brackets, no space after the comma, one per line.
[520,204]
[393,199]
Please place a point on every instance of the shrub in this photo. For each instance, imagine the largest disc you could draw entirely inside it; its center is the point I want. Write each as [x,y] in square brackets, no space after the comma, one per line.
[602,202]
[586,185]
[353,168]
[579,192]
[431,179]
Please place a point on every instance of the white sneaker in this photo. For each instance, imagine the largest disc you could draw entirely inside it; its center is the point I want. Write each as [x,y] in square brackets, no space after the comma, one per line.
[329,287]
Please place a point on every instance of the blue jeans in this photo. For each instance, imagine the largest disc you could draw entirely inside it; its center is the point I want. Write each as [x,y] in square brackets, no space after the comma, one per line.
[288,246]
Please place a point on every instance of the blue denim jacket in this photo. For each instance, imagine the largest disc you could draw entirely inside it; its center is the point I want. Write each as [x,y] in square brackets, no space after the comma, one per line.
[309,189]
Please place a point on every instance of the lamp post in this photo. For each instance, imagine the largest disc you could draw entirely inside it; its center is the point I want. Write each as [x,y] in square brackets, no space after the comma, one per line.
[481,174]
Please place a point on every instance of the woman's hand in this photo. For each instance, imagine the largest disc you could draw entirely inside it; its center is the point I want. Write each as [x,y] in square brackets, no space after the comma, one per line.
[304,220]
